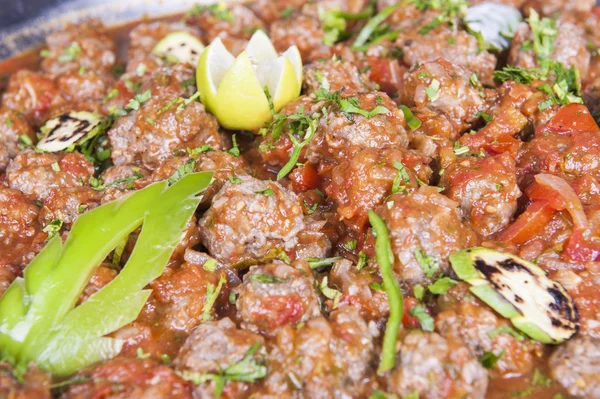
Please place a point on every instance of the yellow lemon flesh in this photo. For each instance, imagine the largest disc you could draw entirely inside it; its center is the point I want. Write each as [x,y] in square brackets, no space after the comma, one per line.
[233,89]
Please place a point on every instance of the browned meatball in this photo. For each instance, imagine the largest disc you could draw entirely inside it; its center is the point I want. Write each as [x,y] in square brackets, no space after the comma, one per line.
[119,180]
[437,367]
[568,154]
[144,36]
[88,85]
[215,346]
[234,29]
[338,75]
[182,293]
[366,180]
[323,359]
[424,224]
[357,292]
[122,378]
[550,8]
[31,94]
[163,125]
[486,189]
[269,10]
[86,45]
[103,275]
[275,295]
[35,383]
[576,366]
[303,31]
[12,126]
[458,47]
[482,330]
[37,174]
[346,135]
[20,233]
[445,88]
[248,219]
[67,204]
[569,47]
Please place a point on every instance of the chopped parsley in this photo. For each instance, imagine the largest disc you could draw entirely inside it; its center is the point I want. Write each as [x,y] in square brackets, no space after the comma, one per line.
[72,51]
[8,123]
[136,102]
[235,180]
[334,23]
[249,369]
[350,105]
[268,279]
[187,101]
[53,228]
[441,285]
[376,30]
[489,359]
[212,294]
[401,180]
[419,292]
[55,167]
[350,245]
[461,149]
[412,121]
[200,150]
[210,265]
[329,292]
[219,10]
[310,209]
[235,150]
[315,263]
[506,329]
[428,264]
[150,120]
[425,320]
[450,11]
[267,191]
[287,12]
[485,116]
[141,69]
[544,35]
[363,260]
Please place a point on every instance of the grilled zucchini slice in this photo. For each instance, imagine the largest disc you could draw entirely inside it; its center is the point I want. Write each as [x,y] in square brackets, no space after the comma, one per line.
[180,46]
[66,131]
[520,291]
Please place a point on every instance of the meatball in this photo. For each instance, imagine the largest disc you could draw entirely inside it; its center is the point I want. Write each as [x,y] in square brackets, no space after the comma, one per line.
[34,384]
[346,134]
[275,295]
[249,219]
[550,8]
[122,378]
[182,293]
[459,47]
[87,45]
[357,291]
[486,189]
[20,233]
[12,127]
[88,85]
[67,204]
[269,11]
[235,29]
[437,367]
[472,322]
[366,180]
[160,128]
[568,154]
[38,174]
[338,75]
[32,94]
[569,47]
[425,228]
[445,88]
[576,366]
[322,359]
[303,31]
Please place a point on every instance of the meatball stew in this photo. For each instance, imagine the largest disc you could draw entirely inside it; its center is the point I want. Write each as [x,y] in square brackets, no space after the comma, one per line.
[421,222]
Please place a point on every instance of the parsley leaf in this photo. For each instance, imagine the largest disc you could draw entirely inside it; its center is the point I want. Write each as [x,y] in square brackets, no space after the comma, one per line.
[425,320]
[267,191]
[184,169]
[212,294]
[136,102]
[489,359]
[433,90]
[428,264]
[441,285]
[267,279]
[315,263]
[72,51]
[412,121]
[219,10]
[53,228]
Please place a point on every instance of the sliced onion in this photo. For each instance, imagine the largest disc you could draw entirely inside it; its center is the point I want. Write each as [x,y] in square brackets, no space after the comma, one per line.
[562,188]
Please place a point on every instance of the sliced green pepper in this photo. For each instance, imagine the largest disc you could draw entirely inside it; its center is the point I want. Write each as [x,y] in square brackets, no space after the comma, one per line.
[42,324]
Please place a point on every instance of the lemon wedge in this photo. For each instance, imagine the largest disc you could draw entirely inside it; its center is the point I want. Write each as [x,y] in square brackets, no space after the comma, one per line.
[233,89]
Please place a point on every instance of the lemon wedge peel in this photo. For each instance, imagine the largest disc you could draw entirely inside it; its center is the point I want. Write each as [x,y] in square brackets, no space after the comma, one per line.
[233,88]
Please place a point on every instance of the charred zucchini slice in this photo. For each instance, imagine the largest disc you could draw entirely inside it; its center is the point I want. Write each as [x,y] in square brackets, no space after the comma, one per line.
[520,291]
[180,46]
[64,132]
